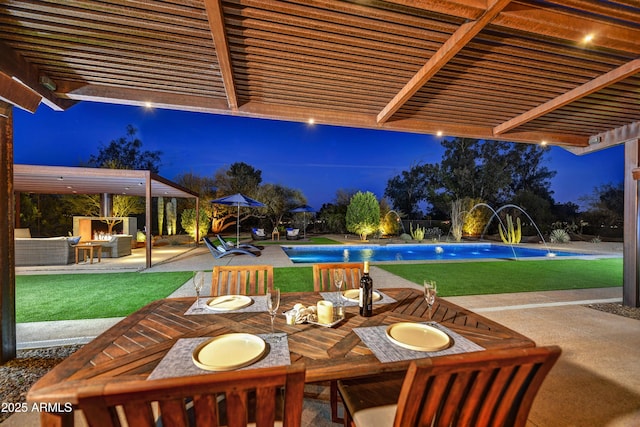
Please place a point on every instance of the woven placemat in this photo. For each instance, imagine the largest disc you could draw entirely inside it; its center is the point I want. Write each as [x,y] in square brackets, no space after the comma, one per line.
[333,297]
[179,363]
[258,304]
[375,337]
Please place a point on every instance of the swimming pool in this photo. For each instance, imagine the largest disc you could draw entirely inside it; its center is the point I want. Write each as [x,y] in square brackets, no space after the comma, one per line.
[421,252]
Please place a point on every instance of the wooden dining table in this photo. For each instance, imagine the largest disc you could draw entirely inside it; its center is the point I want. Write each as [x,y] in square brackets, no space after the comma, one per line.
[132,348]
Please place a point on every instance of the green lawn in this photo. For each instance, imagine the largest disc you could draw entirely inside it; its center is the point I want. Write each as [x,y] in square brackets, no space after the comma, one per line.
[88,296]
[480,278]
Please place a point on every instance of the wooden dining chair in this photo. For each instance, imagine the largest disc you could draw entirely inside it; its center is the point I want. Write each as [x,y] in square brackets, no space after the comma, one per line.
[486,388]
[232,399]
[241,280]
[323,275]
[323,280]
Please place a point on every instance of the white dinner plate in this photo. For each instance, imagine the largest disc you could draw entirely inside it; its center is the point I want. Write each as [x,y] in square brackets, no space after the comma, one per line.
[229,302]
[418,336]
[353,295]
[230,351]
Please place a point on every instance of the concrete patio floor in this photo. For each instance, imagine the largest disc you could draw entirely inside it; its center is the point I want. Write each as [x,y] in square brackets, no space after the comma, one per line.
[595,383]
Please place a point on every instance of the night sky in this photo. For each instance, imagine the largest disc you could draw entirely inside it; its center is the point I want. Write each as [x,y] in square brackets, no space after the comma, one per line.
[316,159]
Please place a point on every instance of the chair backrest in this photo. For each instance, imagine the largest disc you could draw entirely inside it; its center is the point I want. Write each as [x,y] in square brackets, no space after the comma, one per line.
[487,388]
[241,280]
[323,275]
[183,400]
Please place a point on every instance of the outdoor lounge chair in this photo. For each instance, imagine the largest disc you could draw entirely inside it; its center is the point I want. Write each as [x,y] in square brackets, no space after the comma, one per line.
[220,251]
[258,234]
[230,245]
[293,233]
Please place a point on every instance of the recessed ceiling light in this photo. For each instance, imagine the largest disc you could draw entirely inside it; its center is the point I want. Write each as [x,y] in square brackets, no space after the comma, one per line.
[588,38]
[148,105]
[439,133]
[543,143]
[311,121]
[60,178]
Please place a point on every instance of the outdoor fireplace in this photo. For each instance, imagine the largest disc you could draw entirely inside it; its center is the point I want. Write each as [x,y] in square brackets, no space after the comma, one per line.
[88,227]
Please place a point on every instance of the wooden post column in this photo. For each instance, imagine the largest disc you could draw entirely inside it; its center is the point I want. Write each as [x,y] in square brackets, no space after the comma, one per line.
[631,273]
[7,254]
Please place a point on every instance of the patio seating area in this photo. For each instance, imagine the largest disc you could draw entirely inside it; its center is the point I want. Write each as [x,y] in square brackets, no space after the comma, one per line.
[590,339]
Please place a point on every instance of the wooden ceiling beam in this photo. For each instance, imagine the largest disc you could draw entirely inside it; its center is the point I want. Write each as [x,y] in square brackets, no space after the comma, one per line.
[142,98]
[16,93]
[608,139]
[558,23]
[463,35]
[14,66]
[620,73]
[216,23]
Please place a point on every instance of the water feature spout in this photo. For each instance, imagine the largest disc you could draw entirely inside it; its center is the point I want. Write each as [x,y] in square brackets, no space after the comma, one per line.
[399,219]
[487,226]
[496,214]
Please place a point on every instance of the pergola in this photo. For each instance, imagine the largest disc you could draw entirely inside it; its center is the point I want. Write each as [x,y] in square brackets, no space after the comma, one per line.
[560,72]
[76,180]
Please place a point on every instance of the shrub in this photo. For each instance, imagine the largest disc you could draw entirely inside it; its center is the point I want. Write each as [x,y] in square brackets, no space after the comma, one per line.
[405,237]
[559,236]
[189,222]
[363,214]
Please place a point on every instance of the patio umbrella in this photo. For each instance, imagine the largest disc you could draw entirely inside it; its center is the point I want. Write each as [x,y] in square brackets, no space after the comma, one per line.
[239,200]
[304,209]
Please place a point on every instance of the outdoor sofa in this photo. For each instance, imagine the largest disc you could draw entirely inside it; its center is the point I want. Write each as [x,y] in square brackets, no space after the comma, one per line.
[33,251]
[44,251]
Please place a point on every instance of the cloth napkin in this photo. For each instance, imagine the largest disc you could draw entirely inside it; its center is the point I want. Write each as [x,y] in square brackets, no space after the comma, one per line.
[375,337]
[259,303]
[179,363]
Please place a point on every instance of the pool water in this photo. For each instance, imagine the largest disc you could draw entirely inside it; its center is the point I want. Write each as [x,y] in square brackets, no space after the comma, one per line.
[422,252]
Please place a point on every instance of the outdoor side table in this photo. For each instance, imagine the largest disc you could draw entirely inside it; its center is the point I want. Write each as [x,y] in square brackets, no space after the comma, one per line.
[275,235]
[87,249]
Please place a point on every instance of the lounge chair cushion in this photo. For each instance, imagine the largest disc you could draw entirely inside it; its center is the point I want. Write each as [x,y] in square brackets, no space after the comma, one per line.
[259,232]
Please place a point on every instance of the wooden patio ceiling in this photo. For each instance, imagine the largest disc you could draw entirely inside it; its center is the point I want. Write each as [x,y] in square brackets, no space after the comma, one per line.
[519,70]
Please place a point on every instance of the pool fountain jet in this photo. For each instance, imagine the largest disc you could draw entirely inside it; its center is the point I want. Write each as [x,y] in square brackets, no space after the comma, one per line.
[496,212]
[477,205]
[399,219]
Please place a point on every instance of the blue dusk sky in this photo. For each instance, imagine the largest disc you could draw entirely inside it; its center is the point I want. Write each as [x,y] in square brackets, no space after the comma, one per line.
[316,159]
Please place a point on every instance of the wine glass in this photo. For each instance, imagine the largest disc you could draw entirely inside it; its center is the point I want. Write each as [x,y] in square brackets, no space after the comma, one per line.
[338,280]
[198,283]
[273,302]
[430,291]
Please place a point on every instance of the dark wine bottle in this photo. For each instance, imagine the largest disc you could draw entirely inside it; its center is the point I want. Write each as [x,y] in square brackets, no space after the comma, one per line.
[366,292]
